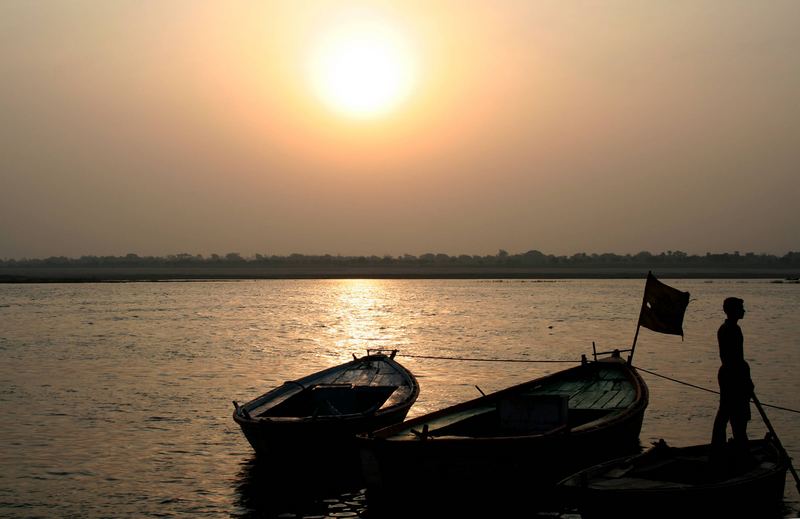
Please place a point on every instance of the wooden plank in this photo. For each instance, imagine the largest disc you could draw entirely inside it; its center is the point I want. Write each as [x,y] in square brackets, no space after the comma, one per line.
[449,419]
[568,394]
[564,386]
[399,395]
[601,402]
[387,379]
[613,391]
[628,400]
[596,403]
[621,392]
[611,374]
[585,399]
[555,388]
[603,385]
[356,377]
[616,402]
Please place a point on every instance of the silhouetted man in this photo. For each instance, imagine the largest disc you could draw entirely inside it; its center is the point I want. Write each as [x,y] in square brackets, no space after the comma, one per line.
[735,385]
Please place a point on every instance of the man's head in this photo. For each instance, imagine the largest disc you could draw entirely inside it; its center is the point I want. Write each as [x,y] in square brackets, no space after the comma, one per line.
[733,307]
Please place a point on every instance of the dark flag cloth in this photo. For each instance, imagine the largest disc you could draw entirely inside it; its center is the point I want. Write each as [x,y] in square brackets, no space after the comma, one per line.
[663,307]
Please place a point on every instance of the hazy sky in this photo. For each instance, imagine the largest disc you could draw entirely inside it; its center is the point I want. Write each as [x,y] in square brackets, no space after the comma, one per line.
[184,126]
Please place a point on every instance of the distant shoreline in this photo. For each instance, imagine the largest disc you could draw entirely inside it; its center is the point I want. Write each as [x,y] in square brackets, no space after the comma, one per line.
[205,273]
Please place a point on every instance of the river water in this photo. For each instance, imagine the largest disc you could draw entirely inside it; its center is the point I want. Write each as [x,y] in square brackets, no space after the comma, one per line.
[116,398]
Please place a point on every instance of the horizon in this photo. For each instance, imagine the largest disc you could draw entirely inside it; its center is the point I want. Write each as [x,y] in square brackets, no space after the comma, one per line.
[229,256]
[356,127]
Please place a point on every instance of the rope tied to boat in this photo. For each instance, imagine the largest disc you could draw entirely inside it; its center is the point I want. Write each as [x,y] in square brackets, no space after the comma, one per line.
[437,357]
[473,359]
[710,390]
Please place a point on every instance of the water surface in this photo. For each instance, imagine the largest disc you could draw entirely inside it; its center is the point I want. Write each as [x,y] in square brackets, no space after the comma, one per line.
[117,397]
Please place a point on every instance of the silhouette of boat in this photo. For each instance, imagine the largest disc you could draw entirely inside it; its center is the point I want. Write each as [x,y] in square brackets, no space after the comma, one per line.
[326,409]
[511,444]
[679,482]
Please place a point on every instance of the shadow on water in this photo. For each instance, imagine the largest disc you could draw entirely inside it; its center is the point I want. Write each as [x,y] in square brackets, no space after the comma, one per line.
[306,485]
[320,487]
[335,489]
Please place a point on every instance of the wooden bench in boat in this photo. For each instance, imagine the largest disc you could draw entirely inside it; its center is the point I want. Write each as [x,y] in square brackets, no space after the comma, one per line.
[516,415]
[333,400]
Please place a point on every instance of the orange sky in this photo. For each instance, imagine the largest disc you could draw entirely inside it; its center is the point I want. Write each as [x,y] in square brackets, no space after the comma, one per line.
[158,128]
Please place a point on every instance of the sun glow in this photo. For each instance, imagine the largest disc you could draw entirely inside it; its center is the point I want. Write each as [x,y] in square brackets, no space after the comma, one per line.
[362,68]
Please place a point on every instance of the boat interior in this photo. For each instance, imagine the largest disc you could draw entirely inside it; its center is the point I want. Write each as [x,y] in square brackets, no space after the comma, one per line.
[551,406]
[690,467]
[322,400]
[365,386]
[513,416]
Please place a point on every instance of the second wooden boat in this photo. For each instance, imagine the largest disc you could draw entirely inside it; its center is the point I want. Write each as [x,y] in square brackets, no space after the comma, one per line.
[507,446]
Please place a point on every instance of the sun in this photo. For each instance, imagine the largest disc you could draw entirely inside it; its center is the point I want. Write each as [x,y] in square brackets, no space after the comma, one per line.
[362,68]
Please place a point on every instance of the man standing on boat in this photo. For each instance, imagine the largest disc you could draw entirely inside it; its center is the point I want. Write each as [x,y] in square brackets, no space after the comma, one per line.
[735,385]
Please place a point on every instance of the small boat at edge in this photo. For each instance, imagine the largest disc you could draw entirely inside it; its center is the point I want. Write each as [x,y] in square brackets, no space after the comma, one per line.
[669,481]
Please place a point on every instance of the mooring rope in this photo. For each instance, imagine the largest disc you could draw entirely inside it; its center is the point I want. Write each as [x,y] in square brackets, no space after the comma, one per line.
[481,360]
[471,359]
[710,390]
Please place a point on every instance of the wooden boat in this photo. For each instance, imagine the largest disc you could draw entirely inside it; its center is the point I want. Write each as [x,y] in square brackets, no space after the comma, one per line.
[515,443]
[326,409]
[682,482]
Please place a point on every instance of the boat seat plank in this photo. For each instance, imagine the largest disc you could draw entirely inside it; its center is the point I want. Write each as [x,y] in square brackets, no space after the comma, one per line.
[603,400]
[613,394]
[602,394]
[607,385]
[333,400]
[624,401]
[560,385]
[611,375]
[387,379]
[450,419]
[530,414]
[551,393]
[599,385]
[586,399]
[569,387]
[624,394]
[599,401]
[591,393]
[400,394]
[634,482]
[358,377]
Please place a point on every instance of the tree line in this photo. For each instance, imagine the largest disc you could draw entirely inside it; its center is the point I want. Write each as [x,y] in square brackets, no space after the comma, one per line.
[531,258]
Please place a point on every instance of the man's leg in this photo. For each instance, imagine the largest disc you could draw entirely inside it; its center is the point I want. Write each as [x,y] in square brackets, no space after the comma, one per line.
[719,434]
[739,428]
[739,418]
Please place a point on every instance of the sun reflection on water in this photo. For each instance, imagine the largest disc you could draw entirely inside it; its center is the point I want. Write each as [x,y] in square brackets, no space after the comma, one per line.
[365,317]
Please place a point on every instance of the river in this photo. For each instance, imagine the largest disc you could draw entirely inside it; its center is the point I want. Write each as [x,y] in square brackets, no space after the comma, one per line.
[116,397]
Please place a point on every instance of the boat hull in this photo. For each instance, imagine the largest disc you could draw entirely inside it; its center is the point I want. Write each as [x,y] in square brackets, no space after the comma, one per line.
[311,438]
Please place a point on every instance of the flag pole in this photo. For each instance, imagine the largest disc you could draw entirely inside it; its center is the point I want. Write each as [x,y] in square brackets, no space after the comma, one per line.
[639,321]
[633,346]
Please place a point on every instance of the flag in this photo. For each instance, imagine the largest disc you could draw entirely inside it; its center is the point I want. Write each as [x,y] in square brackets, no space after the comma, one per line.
[663,307]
